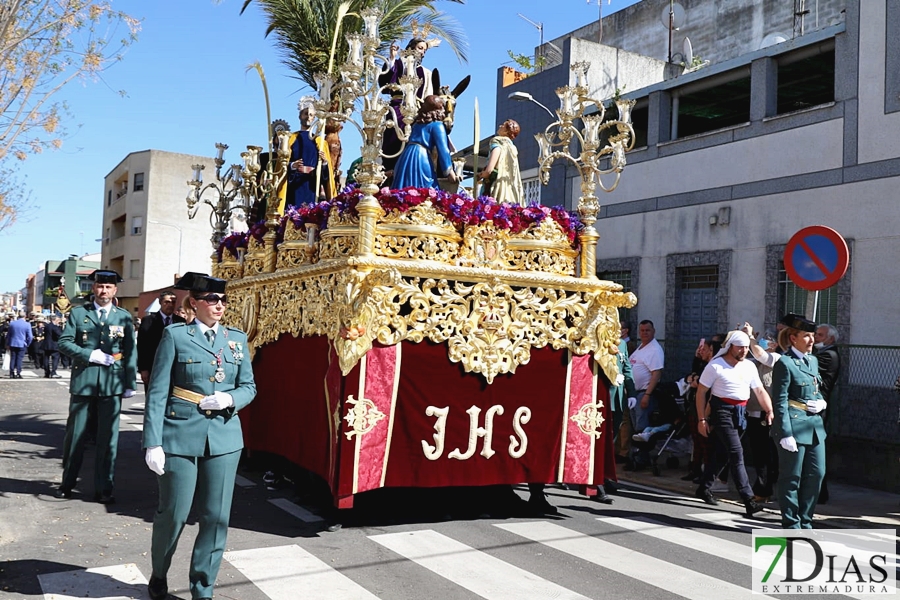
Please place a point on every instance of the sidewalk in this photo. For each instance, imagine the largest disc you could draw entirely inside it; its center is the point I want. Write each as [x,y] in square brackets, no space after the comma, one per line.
[848,506]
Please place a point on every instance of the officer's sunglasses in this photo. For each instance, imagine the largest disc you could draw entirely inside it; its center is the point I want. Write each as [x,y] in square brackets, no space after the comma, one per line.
[214,299]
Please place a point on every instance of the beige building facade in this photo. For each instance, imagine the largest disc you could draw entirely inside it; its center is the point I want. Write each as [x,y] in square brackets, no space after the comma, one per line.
[147,236]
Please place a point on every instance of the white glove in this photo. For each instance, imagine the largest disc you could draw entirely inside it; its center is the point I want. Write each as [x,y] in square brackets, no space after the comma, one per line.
[816,406]
[789,443]
[620,379]
[99,357]
[128,393]
[156,459]
[632,402]
[217,401]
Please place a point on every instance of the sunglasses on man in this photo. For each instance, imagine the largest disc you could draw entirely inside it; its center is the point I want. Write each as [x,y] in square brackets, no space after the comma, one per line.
[214,299]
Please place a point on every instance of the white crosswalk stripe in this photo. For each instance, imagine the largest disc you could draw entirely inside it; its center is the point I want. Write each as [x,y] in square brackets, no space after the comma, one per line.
[478,572]
[280,573]
[291,571]
[733,520]
[643,567]
[118,582]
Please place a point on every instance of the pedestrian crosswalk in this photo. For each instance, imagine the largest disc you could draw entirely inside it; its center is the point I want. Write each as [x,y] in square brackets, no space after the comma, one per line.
[509,560]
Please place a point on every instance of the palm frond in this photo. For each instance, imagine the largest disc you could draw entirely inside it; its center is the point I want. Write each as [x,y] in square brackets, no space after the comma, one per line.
[304,30]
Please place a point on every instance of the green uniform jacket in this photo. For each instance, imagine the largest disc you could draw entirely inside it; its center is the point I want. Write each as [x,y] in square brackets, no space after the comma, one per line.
[618,393]
[83,334]
[793,380]
[185,359]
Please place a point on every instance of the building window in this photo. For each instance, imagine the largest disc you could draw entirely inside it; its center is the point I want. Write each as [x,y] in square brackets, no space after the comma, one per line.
[640,122]
[532,188]
[138,182]
[623,278]
[85,285]
[109,197]
[137,225]
[805,82]
[794,299]
[720,104]
[134,269]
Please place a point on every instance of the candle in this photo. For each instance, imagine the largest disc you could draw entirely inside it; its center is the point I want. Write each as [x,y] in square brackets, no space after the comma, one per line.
[220,150]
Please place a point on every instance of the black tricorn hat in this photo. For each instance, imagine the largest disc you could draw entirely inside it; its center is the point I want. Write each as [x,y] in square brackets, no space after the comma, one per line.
[798,322]
[105,276]
[201,283]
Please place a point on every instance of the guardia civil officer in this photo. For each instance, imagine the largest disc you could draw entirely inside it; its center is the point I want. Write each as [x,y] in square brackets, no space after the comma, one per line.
[201,378]
[798,427]
[99,337]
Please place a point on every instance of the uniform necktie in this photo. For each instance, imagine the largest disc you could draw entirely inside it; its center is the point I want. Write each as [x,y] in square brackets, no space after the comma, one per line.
[102,316]
[210,336]
[165,321]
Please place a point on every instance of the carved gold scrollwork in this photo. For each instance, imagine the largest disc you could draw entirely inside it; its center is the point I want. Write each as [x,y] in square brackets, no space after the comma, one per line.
[484,246]
[361,417]
[489,325]
[292,254]
[590,418]
[249,319]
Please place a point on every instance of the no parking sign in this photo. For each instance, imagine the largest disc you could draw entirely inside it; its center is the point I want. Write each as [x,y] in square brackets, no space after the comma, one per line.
[816,257]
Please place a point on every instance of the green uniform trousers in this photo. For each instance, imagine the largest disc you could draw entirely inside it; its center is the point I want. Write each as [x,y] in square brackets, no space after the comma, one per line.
[107,409]
[799,480]
[211,480]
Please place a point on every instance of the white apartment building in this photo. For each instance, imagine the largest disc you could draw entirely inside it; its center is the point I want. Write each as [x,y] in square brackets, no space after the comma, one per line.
[147,236]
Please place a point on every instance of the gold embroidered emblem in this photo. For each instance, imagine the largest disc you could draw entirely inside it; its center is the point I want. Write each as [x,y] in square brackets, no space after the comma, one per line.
[362,416]
[590,418]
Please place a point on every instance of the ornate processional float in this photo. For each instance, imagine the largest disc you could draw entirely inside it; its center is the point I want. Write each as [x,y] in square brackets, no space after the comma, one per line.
[418,337]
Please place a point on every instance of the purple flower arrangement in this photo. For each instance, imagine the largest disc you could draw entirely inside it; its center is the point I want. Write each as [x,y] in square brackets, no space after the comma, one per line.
[231,243]
[460,209]
[463,210]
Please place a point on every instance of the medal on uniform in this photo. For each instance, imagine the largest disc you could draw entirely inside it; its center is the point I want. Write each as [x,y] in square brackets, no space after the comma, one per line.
[220,372]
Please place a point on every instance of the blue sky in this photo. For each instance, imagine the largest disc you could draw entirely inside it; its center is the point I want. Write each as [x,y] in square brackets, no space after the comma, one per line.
[186,89]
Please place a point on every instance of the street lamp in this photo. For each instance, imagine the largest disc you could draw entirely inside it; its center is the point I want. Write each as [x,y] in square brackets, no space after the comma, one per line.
[526,97]
[180,235]
[596,140]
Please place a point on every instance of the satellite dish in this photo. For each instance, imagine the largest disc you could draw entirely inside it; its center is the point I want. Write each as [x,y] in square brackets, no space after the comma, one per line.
[688,52]
[773,38]
[677,15]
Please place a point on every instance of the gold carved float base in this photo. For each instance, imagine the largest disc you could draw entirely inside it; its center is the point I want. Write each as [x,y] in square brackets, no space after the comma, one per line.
[489,318]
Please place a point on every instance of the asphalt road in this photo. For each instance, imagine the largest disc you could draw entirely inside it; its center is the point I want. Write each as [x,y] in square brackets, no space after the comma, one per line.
[287,543]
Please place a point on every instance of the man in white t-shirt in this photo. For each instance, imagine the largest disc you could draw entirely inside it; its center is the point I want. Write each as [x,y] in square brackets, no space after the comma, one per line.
[729,379]
[647,363]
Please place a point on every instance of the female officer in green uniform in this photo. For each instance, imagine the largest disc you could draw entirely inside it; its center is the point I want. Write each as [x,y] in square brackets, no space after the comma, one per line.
[201,378]
[798,426]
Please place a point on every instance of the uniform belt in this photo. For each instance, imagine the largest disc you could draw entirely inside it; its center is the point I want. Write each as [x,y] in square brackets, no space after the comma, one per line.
[798,405]
[188,395]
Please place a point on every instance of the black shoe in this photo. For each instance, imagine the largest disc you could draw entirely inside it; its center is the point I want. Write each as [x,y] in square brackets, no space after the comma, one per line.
[104,498]
[706,495]
[751,507]
[691,476]
[602,496]
[539,504]
[63,493]
[158,588]
[55,376]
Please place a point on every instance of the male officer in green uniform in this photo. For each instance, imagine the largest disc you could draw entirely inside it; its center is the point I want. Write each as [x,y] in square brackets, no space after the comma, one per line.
[798,428]
[99,337]
[201,378]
